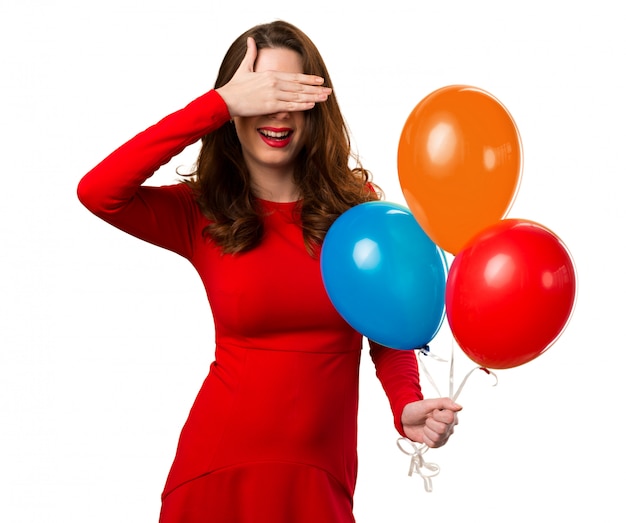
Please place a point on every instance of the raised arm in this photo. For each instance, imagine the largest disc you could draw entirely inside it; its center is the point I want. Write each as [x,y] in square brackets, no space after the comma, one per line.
[113,189]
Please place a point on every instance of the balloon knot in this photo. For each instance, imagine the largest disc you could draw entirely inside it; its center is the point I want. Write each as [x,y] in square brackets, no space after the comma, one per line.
[418,465]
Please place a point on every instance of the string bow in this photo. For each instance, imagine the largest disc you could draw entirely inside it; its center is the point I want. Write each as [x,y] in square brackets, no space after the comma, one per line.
[418,464]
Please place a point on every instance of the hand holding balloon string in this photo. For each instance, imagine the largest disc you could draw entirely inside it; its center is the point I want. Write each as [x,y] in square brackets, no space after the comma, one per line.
[427,470]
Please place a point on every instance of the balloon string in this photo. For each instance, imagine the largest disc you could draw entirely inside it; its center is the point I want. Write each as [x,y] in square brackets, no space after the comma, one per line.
[451,378]
[418,465]
[423,352]
[491,373]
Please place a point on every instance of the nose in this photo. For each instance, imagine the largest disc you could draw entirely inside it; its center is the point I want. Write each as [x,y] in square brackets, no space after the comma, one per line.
[284,115]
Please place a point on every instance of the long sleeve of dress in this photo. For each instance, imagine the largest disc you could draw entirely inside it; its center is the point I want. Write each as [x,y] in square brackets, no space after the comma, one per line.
[398,373]
[286,363]
[113,189]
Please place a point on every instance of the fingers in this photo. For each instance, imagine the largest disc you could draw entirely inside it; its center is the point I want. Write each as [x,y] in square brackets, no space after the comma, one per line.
[289,92]
[435,440]
[268,92]
[247,64]
[445,416]
[437,433]
[448,404]
[295,82]
[439,426]
[301,88]
[306,79]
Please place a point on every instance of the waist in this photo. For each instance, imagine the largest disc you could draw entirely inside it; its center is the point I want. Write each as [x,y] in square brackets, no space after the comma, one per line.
[273,406]
[313,341]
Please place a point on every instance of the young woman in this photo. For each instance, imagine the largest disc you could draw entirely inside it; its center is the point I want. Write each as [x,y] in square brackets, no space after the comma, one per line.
[272,433]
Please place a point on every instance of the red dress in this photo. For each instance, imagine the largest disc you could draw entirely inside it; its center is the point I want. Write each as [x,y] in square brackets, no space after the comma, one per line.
[272,435]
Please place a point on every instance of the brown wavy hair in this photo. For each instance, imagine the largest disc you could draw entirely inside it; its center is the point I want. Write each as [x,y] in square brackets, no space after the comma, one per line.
[328,185]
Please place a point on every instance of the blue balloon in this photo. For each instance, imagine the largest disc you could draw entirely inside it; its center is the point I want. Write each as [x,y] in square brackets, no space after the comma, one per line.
[384,275]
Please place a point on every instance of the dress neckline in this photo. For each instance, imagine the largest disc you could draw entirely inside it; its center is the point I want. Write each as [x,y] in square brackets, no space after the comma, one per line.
[276,205]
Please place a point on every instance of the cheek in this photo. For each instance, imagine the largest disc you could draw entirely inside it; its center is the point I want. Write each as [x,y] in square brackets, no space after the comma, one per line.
[243,128]
[303,126]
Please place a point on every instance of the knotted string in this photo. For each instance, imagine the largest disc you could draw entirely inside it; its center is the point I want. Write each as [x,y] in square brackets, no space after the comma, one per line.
[418,465]
[424,469]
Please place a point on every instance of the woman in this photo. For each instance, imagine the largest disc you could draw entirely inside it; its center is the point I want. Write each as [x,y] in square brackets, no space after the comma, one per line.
[272,433]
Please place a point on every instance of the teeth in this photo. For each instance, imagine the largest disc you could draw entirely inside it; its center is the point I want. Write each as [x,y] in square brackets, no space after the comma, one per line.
[274,134]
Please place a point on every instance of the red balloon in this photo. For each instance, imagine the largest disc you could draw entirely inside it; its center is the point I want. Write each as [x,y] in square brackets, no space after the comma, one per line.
[510,293]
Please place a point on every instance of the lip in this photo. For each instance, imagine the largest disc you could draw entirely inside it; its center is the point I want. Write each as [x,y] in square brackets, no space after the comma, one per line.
[274,141]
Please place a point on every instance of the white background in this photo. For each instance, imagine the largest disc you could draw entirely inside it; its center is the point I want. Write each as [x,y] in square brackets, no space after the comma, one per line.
[105,340]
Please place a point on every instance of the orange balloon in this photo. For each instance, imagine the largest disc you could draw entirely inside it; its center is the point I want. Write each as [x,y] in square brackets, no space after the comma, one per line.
[459,164]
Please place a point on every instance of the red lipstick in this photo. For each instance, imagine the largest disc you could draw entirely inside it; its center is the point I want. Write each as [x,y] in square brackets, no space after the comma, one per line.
[276,136]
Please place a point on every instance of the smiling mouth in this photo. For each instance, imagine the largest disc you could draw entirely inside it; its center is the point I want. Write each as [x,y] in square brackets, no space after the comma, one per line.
[275,135]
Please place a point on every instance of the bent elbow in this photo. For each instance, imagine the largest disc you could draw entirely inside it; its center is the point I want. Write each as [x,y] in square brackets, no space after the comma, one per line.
[86,195]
